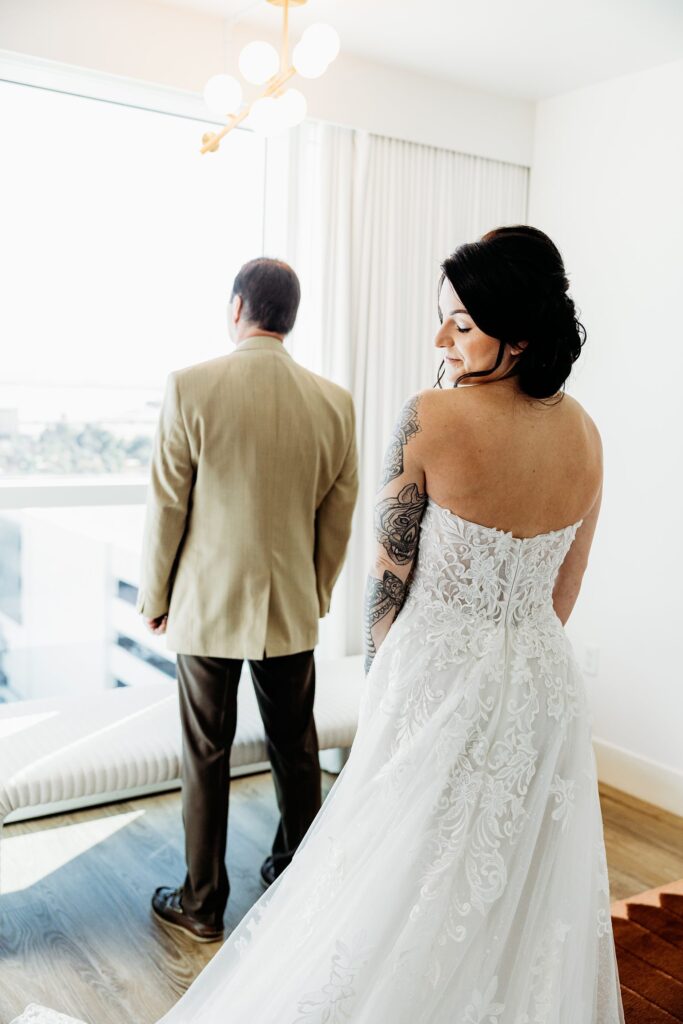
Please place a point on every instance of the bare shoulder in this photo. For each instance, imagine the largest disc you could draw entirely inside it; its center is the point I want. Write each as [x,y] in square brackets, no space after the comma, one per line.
[413,406]
[430,408]
[424,405]
[587,421]
[588,458]
[421,419]
[416,414]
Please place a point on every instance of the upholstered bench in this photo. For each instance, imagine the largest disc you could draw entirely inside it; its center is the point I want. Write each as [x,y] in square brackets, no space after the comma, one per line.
[59,753]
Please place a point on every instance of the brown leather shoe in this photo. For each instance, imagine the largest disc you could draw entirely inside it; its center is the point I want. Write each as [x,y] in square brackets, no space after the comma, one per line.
[167,905]
[268,871]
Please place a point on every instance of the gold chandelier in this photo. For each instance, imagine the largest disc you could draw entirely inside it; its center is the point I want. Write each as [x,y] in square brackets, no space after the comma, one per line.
[276,108]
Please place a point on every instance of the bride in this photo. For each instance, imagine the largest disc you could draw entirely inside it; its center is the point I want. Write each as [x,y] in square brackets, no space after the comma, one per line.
[456,872]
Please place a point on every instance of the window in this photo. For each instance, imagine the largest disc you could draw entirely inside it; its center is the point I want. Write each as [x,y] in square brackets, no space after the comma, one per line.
[120,243]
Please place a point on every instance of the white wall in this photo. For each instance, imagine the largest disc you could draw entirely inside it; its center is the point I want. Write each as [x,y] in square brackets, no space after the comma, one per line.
[606,185]
[182,48]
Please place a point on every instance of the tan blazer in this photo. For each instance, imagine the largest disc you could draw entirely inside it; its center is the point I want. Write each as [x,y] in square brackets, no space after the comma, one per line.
[254,479]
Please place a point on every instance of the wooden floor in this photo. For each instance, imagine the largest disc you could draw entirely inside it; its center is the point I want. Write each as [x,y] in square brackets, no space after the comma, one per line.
[76,931]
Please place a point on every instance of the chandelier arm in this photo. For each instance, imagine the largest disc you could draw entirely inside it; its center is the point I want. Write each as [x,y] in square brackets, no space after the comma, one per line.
[278,81]
[212,140]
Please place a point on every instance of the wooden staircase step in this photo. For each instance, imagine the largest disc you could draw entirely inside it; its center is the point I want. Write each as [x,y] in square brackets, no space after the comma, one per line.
[639,1011]
[648,946]
[662,922]
[659,988]
[673,902]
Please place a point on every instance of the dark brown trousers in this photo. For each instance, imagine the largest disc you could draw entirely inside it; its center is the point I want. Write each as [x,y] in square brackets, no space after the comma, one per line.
[207,687]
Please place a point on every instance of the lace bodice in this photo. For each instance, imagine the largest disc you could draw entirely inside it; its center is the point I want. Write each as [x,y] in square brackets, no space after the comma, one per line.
[487,574]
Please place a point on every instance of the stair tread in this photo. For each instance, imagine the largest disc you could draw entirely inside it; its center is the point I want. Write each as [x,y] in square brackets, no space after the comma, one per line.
[648,946]
[660,988]
[658,920]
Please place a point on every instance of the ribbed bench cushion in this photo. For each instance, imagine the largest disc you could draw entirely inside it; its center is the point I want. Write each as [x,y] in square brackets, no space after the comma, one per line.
[64,748]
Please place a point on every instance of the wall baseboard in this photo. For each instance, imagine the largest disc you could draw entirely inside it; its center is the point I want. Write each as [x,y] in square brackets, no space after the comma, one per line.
[647,780]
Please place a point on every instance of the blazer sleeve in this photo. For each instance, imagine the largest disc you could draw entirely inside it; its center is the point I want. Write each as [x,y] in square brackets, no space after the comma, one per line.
[170,486]
[333,521]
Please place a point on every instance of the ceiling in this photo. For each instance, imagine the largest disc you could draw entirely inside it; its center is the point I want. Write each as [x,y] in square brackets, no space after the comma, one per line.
[530,49]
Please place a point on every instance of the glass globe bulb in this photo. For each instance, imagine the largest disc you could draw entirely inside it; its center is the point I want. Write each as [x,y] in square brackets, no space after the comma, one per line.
[223,95]
[323,40]
[266,118]
[258,62]
[292,107]
[306,61]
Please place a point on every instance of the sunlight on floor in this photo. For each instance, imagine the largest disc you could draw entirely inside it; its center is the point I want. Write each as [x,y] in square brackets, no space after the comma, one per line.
[26,859]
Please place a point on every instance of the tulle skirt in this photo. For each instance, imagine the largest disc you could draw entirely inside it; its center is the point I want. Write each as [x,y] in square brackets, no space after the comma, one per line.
[456,872]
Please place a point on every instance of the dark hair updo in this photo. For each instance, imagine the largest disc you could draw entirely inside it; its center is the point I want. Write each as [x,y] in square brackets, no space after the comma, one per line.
[514,286]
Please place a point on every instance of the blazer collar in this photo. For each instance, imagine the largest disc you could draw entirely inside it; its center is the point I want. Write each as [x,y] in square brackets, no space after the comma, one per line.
[264,342]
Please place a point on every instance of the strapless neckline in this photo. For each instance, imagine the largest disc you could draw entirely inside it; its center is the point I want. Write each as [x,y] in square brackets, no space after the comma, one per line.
[502,533]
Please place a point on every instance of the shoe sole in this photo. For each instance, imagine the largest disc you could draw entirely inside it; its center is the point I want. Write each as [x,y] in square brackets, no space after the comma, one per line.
[186,931]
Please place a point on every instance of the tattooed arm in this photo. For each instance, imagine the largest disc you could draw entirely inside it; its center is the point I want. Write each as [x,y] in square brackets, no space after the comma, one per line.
[401,500]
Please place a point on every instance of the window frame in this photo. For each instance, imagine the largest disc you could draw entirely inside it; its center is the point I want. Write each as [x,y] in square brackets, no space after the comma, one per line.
[51,490]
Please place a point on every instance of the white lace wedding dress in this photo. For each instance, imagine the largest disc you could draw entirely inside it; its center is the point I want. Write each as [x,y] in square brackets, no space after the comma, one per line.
[456,872]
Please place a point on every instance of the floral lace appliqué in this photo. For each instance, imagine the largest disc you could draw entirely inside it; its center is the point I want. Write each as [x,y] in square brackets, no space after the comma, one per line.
[333,1002]
[546,972]
[564,791]
[482,1009]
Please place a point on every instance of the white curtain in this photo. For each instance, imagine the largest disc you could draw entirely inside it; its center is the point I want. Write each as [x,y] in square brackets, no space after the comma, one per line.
[366,222]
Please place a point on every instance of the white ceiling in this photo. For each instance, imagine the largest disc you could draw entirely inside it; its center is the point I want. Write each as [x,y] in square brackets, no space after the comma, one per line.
[529,49]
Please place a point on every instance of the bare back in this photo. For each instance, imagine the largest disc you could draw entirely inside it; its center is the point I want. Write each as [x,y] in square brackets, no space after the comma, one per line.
[498,458]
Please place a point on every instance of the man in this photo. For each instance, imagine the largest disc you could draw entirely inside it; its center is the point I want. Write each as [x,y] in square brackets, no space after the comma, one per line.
[253,484]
